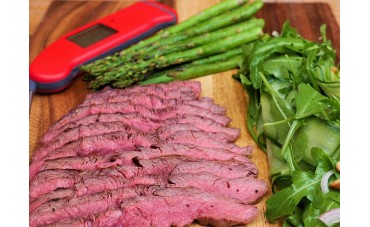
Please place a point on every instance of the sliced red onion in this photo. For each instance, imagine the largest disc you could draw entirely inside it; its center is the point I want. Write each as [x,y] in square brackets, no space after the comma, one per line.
[325,181]
[330,217]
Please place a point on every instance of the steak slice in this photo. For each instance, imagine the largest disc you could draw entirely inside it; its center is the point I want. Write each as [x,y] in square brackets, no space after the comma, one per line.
[168,130]
[178,164]
[145,124]
[77,222]
[158,101]
[92,181]
[99,128]
[153,101]
[180,207]
[204,123]
[143,181]
[167,90]
[192,151]
[93,161]
[87,181]
[207,103]
[207,139]
[54,195]
[83,111]
[186,109]
[108,218]
[127,107]
[173,207]
[49,180]
[82,131]
[135,119]
[226,169]
[248,190]
[63,210]
[120,97]
[100,144]
[108,181]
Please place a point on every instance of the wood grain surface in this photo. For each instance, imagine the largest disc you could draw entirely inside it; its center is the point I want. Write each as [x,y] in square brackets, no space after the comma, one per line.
[64,16]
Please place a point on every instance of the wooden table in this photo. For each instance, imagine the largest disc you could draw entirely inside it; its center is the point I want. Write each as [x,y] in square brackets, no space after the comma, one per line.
[50,19]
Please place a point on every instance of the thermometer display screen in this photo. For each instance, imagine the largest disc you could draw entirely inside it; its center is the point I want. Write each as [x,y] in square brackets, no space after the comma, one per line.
[92,35]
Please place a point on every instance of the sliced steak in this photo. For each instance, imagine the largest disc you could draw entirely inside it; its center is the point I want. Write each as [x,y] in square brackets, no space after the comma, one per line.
[193,151]
[90,162]
[108,218]
[83,111]
[54,195]
[93,161]
[175,164]
[153,101]
[207,103]
[158,166]
[168,130]
[135,119]
[202,122]
[100,144]
[82,131]
[158,101]
[127,107]
[63,210]
[77,222]
[225,169]
[156,155]
[99,128]
[185,109]
[207,139]
[248,190]
[176,95]
[49,180]
[180,207]
[108,181]
[145,124]
[92,181]
[168,90]
[97,181]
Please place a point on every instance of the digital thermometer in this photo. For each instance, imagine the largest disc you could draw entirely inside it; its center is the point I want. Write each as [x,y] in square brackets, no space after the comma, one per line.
[55,67]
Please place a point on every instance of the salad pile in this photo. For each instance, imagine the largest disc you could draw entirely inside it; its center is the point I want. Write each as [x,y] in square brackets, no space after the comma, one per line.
[293,88]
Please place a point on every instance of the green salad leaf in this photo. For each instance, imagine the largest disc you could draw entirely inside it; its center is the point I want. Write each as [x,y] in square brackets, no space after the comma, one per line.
[308,101]
[293,88]
[304,184]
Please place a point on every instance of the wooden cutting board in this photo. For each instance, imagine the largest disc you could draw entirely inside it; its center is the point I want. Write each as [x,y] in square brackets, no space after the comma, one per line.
[64,16]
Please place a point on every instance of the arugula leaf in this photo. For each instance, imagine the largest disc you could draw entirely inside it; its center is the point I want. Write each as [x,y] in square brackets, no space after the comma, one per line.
[268,48]
[282,105]
[308,101]
[282,67]
[295,219]
[286,150]
[288,31]
[284,202]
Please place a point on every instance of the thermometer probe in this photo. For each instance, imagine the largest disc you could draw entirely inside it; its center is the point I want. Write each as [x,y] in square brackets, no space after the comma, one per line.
[56,66]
